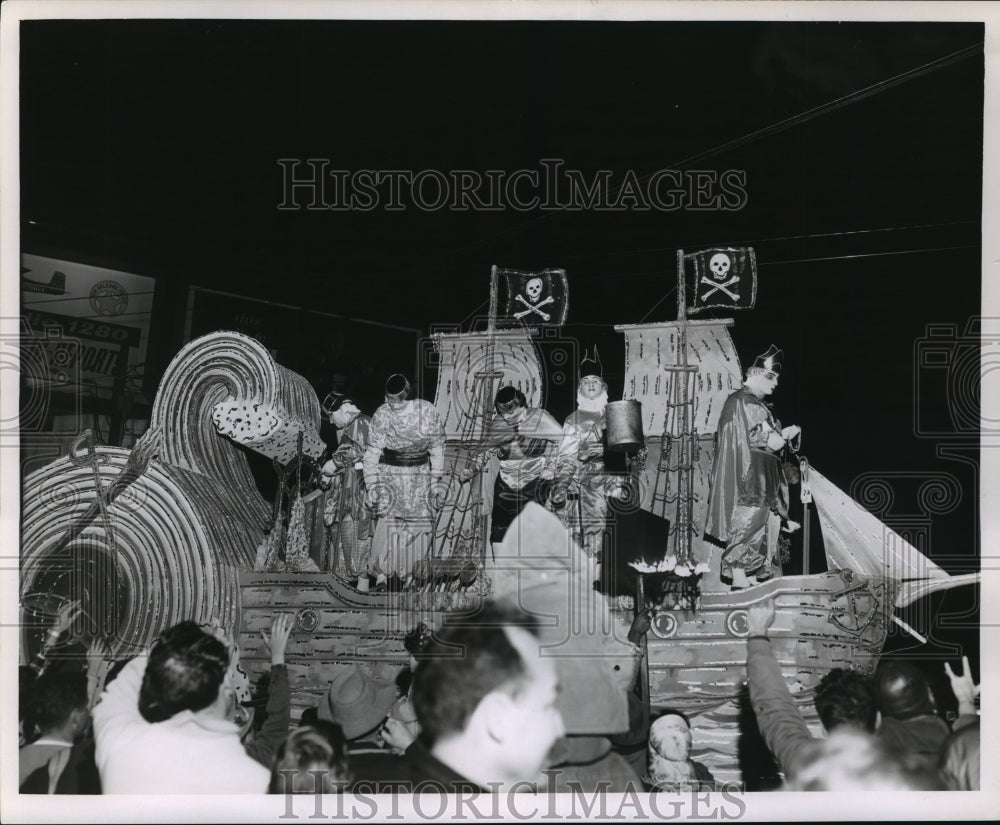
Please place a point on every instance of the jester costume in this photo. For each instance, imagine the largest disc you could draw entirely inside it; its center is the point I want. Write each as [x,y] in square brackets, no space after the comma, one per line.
[528,453]
[346,506]
[749,487]
[405,454]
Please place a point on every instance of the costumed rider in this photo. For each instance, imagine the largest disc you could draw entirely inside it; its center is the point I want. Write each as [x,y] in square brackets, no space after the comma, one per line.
[346,511]
[526,439]
[580,496]
[403,468]
[749,494]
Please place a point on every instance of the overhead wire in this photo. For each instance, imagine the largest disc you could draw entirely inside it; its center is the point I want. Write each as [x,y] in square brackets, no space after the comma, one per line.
[772,129]
[864,93]
[825,108]
[749,241]
[817,259]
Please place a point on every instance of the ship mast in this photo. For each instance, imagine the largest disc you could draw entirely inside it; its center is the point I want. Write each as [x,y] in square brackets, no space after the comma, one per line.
[678,429]
[482,395]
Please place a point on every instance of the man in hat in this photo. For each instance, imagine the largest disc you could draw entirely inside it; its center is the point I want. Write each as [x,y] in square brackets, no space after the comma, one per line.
[346,496]
[403,470]
[527,441]
[749,494]
[580,499]
[359,703]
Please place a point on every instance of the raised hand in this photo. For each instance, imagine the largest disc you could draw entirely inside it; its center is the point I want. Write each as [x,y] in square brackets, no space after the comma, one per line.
[774,441]
[760,617]
[640,626]
[328,471]
[97,652]
[67,614]
[963,687]
[277,641]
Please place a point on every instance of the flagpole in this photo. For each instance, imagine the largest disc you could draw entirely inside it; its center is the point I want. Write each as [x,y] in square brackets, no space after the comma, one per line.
[686,434]
[682,306]
[805,496]
[491,320]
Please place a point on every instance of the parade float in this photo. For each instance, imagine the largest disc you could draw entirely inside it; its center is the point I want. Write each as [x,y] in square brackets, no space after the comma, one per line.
[176,528]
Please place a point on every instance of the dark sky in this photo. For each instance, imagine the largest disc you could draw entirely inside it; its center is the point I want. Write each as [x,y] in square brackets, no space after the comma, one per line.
[153,147]
[158,141]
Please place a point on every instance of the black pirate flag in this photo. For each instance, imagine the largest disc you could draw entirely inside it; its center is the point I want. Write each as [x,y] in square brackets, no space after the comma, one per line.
[721,278]
[535,299]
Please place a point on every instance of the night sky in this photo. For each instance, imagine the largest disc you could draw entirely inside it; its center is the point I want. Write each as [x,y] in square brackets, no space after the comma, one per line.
[153,147]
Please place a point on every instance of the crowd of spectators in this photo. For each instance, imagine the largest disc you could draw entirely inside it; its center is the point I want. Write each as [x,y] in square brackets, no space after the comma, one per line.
[475,710]
[884,732]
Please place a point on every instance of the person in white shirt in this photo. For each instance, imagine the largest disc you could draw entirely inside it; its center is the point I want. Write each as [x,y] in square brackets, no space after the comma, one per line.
[165,724]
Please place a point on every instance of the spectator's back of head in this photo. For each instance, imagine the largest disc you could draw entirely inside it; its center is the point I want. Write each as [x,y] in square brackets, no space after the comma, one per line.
[846,697]
[485,697]
[851,760]
[186,669]
[670,735]
[471,657]
[669,753]
[313,759]
[902,691]
[55,696]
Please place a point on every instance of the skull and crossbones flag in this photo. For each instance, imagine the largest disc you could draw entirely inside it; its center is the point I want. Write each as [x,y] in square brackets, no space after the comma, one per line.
[535,299]
[721,278]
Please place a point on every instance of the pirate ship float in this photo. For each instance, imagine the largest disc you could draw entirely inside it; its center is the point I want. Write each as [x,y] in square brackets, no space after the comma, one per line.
[171,530]
[682,372]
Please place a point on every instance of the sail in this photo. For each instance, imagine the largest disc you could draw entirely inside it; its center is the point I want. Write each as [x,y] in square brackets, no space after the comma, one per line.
[683,403]
[856,540]
[651,348]
[471,366]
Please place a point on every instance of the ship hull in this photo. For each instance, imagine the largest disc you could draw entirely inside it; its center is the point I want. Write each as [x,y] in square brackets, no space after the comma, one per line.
[696,660]
[334,625]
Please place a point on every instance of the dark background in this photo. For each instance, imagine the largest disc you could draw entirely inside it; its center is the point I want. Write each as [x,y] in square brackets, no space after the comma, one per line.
[153,147]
